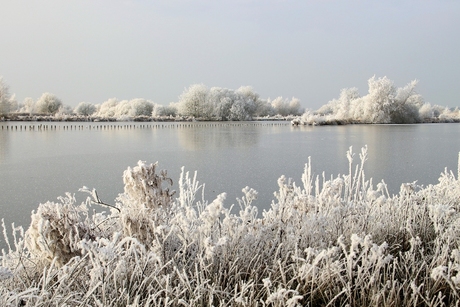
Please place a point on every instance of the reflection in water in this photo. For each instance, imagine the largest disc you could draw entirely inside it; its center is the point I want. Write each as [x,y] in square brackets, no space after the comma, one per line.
[224,135]
[390,146]
[396,153]
[4,146]
[39,165]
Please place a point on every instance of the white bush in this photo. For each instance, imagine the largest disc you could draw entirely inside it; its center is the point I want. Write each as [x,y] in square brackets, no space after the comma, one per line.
[48,104]
[225,104]
[125,109]
[28,106]
[85,109]
[384,104]
[108,108]
[7,102]
[285,107]
[165,111]
[193,101]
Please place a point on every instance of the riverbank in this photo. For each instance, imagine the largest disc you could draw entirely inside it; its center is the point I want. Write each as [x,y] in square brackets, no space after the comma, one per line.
[75,118]
[324,121]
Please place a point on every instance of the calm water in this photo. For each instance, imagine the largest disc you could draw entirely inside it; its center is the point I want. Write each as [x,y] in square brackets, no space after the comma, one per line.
[41,164]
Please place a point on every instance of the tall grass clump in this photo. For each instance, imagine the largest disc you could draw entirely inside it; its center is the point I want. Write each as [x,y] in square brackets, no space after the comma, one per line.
[328,241]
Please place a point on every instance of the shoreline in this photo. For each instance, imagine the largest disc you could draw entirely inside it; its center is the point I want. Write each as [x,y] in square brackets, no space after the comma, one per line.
[51,118]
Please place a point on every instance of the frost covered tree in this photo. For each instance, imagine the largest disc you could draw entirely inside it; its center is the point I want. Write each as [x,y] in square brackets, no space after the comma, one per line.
[249,93]
[285,107]
[192,102]
[384,104]
[27,106]
[5,98]
[160,111]
[125,109]
[48,104]
[264,108]
[14,105]
[243,108]
[141,107]
[261,106]
[238,110]
[379,102]
[279,105]
[64,110]
[218,103]
[221,99]
[344,106]
[108,108]
[133,108]
[226,104]
[85,109]
[426,112]
[387,104]
[407,105]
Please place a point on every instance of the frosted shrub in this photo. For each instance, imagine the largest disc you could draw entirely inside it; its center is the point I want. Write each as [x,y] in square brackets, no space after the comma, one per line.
[242,109]
[145,193]
[85,109]
[125,109]
[164,111]
[57,228]
[260,107]
[48,104]
[6,101]
[346,103]
[329,241]
[64,112]
[193,102]
[141,107]
[107,108]
[217,103]
[144,187]
[285,107]
[384,104]
[27,106]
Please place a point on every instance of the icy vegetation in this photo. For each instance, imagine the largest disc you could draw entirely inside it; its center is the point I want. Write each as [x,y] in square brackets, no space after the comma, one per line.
[384,104]
[335,241]
[224,104]
[196,103]
[7,102]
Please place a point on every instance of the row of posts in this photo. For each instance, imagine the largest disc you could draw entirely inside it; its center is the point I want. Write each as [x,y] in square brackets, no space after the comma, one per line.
[133,126]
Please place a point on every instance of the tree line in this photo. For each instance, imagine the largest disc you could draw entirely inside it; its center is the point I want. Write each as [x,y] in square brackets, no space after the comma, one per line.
[384,104]
[198,102]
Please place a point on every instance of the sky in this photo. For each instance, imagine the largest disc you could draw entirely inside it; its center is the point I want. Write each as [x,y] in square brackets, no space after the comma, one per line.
[93,50]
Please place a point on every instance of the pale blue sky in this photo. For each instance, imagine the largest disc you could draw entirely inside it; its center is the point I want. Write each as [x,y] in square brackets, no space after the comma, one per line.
[93,50]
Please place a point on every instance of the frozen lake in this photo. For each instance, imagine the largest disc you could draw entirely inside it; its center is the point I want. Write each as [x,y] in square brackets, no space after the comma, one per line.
[40,164]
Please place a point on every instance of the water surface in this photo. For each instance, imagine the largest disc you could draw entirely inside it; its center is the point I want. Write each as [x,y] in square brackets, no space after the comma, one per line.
[40,164]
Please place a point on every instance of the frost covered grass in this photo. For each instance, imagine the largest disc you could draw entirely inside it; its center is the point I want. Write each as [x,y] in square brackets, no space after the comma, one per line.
[338,241]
